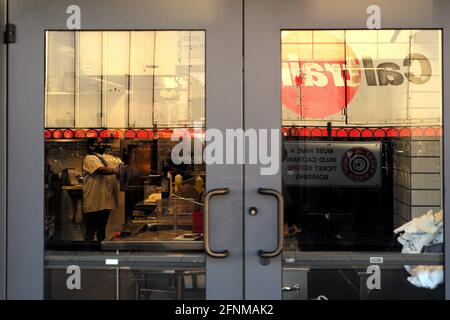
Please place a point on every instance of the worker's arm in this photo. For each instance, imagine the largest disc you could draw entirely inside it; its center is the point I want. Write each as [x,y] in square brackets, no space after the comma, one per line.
[106,171]
[92,164]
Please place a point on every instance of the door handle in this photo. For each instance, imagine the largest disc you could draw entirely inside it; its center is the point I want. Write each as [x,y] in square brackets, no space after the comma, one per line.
[276,194]
[209,251]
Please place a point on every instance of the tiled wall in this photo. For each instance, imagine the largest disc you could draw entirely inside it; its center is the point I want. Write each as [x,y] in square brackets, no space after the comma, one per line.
[417,177]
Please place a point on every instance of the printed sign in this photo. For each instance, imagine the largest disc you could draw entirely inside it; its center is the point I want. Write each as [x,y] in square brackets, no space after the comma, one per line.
[332,164]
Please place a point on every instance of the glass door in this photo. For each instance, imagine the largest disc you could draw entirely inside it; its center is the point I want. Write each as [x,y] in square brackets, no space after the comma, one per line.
[110,196]
[355,210]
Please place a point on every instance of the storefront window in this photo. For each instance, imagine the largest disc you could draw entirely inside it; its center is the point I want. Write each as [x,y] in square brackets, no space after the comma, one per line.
[362,163]
[113,101]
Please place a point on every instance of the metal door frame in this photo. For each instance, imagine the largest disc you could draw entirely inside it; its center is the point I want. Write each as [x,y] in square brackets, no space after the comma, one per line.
[264,20]
[3,150]
[222,20]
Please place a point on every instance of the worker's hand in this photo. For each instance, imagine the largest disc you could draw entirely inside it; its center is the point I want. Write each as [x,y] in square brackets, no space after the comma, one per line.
[286,230]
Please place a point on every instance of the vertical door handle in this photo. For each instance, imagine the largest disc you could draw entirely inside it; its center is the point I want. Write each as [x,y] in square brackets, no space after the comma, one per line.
[279,249]
[209,251]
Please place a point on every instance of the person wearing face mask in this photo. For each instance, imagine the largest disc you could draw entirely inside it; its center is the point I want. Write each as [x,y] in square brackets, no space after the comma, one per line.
[100,194]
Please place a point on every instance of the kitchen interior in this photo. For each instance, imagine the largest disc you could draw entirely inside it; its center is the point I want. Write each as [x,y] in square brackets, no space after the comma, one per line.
[130,89]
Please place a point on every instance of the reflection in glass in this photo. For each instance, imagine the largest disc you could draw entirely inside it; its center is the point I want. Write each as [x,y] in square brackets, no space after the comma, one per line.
[121,79]
[362,176]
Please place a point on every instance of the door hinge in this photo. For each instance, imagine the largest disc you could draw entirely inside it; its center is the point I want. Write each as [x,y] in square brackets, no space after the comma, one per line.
[10,34]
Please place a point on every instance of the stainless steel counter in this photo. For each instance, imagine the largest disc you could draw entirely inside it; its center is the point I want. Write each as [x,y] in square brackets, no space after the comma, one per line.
[152,246]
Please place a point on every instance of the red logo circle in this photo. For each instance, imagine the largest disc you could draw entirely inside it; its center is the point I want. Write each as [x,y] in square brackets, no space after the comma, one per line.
[317,80]
[359,164]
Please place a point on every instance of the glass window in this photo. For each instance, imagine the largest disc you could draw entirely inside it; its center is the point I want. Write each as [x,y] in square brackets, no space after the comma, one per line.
[60,81]
[362,174]
[114,99]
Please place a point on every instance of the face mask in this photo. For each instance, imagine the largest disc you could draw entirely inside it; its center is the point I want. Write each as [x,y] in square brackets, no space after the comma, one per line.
[99,149]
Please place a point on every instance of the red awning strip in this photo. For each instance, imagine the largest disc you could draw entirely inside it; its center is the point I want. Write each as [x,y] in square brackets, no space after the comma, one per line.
[351,132]
[141,134]
[336,132]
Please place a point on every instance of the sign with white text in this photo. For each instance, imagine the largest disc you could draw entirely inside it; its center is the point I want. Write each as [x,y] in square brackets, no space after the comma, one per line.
[346,164]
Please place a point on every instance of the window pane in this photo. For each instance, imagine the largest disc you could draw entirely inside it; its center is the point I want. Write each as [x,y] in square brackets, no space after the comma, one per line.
[60,82]
[362,176]
[88,93]
[116,204]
